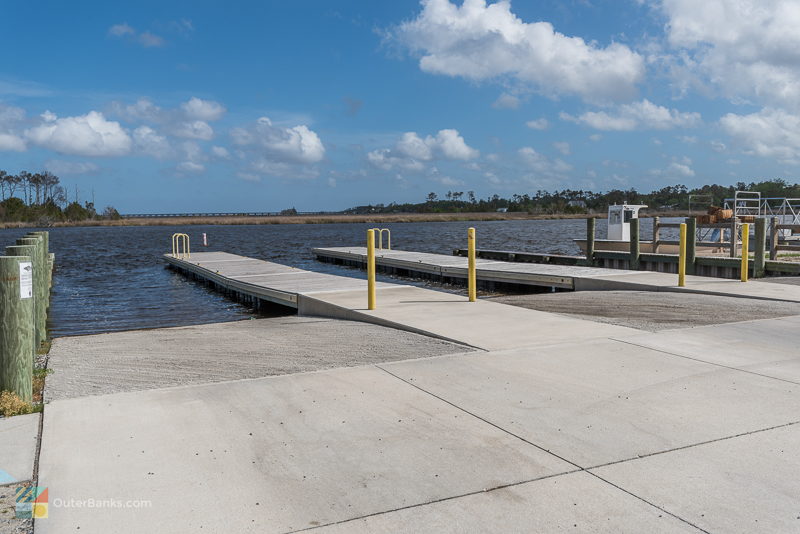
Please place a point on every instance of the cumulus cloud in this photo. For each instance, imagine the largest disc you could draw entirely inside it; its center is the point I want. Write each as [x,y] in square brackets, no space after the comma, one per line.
[411,150]
[541,163]
[192,130]
[677,169]
[296,144]
[746,48]
[148,141]
[220,152]
[84,135]
[643,115]
[538,124]
[191,167]
[506,101]
[204,110]
[11,118]
[11,143]
[771,133]
[563,147]
[479,42]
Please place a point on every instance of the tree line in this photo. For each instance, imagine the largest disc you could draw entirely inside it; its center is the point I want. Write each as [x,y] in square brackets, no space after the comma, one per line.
[39,197]
[571,201]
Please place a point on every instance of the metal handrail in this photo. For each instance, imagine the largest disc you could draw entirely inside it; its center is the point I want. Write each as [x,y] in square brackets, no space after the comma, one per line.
[379,233]
[180,246]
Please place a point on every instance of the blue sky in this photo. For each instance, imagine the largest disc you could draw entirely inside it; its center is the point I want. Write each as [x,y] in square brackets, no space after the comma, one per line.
[320,105]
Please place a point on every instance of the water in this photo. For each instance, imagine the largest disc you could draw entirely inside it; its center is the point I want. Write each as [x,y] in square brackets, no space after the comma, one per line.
[113,278]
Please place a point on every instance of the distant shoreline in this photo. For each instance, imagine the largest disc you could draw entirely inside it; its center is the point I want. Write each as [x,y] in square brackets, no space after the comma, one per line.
[327,219]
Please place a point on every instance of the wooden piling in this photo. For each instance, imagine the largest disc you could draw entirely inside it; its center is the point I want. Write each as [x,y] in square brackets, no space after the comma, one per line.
[761,243]
[773,238]
[17,334]
[691,244]
[590,224]
[634,245]
[40,286]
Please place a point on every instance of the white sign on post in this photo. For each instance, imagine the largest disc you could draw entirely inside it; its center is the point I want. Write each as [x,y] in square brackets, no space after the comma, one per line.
[25,280]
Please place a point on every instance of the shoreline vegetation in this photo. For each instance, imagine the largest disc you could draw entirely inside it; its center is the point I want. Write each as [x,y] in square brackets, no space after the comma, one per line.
[38,200]
[328,219]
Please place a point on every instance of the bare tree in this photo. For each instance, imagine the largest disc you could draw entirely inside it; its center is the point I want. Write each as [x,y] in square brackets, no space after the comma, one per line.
[3,183]
[12,182]
[49,181]
[25,182]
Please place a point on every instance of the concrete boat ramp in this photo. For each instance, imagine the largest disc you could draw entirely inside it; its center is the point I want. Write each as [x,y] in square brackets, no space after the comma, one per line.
[555,424]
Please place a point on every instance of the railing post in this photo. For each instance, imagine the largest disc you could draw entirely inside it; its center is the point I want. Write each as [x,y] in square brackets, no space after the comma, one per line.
[633,260]
[745,251]
[761,239]
[682,257]
[656,233]
[773,239]
[590,223]
[17,333]
[734,237]
[471,275]
[370,269]
[691,244]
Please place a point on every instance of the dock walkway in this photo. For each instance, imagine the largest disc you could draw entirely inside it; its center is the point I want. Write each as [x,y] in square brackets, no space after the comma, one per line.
[559,276]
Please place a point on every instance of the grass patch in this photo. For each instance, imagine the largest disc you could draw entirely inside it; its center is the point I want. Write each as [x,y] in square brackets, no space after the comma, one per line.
[11,405]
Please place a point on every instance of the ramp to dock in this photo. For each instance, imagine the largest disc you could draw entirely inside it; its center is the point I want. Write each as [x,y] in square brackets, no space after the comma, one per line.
[569,277]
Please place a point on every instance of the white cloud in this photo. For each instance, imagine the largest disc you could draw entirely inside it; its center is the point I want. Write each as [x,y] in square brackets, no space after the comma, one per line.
[538,124]
[146,39]
[771,133]
[563,147]
[296,144]
[411,150]
[11,143]
[541,163]
[479,41]
[506,101]
[121,30]
[746,48]
[220,152]
[204,110]
[84,135]
[643,115]
[147,141]
[191,166]
[677,169]
[193,130]
[595,137]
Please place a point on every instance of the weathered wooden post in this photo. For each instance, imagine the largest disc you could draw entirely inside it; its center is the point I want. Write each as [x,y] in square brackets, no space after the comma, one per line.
[16,325]
[48,266]
[40,289]
[590,240]
[691,244]
[773,238]
[656,233]
[682,256]
[734,238]
[633,260]
[761,243]
[745,251]
[370,269]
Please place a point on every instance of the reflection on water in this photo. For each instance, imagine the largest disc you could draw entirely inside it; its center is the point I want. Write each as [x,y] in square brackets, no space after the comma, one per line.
[113,278]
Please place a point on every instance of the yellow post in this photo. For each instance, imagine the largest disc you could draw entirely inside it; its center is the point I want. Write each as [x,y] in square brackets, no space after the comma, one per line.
[472,278]
[745,250]
[682,258]
[370,269]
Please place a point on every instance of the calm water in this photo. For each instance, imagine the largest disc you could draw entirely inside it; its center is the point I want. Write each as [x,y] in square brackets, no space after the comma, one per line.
[113,278]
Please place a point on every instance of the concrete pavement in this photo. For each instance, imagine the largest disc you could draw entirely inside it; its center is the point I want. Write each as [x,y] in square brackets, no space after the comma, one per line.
[18,437]
[601,435]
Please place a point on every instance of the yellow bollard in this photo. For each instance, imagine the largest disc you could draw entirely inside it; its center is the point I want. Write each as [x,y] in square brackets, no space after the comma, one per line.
[472,277]
[370,269]
[682,258]
[745,250]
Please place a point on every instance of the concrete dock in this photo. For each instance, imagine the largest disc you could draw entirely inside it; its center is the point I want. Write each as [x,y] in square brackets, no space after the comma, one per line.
[555,423]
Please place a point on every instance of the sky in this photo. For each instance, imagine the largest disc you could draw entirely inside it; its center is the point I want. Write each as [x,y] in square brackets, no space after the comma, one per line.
[201,106]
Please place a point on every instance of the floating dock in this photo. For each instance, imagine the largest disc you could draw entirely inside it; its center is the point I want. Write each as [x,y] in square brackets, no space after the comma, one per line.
[493,273]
